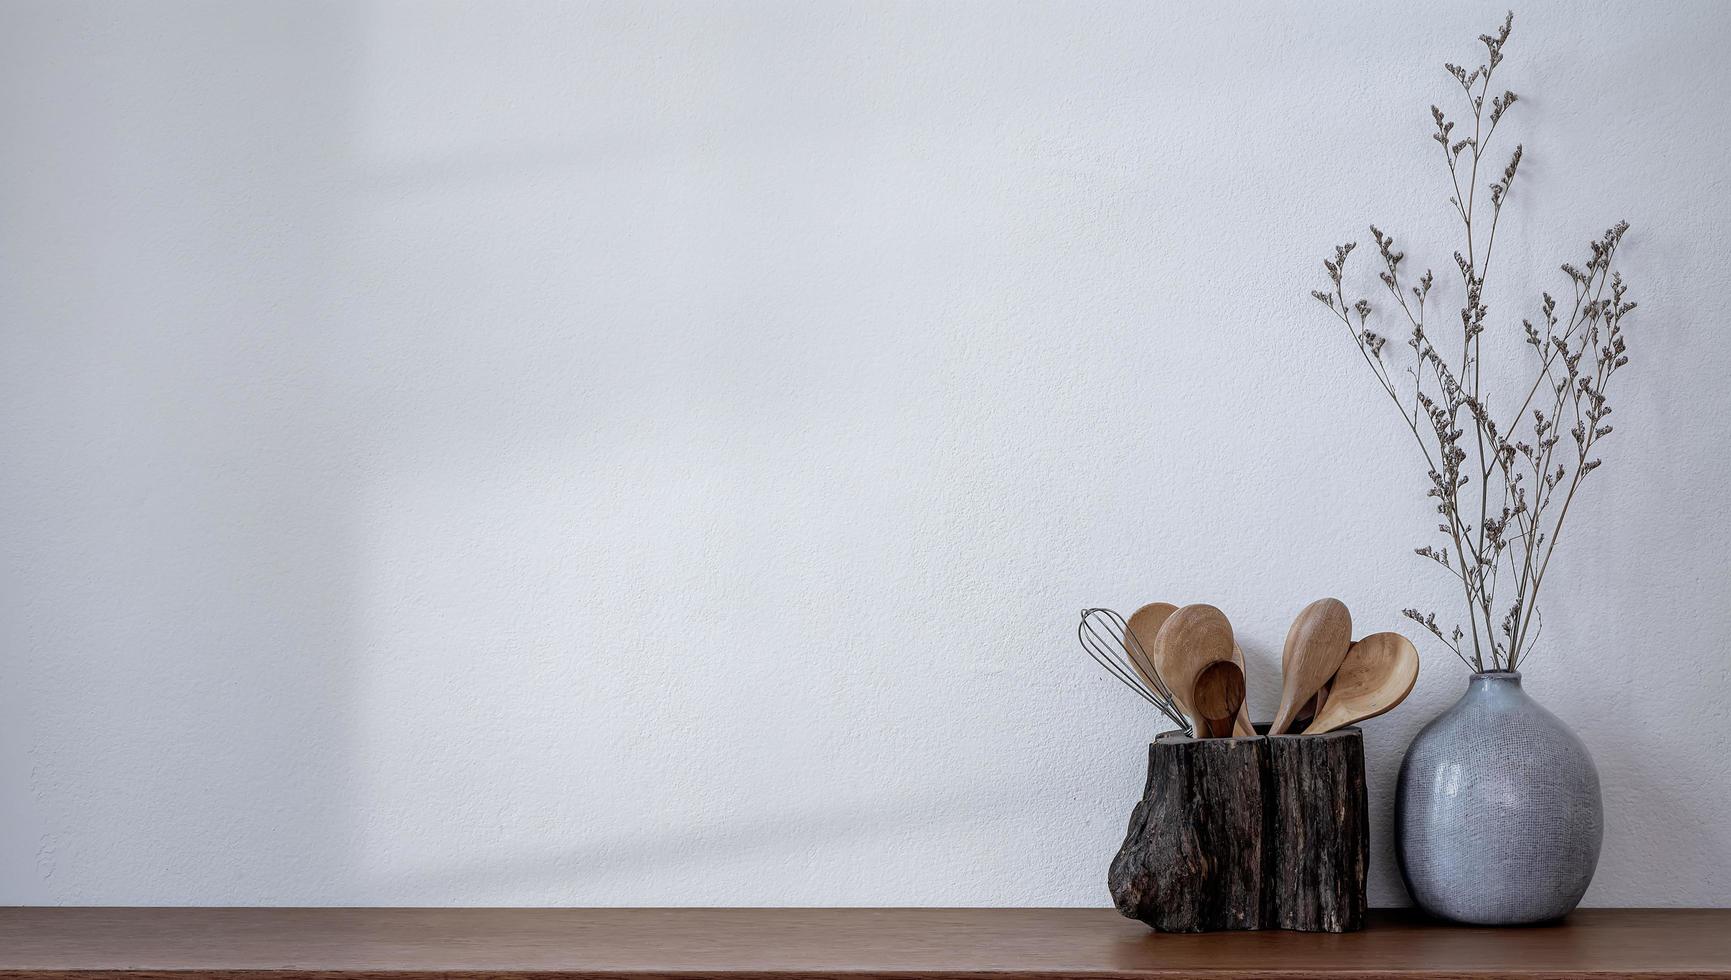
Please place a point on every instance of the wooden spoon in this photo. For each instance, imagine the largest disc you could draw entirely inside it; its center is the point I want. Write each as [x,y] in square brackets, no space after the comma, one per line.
[1315,646]
[1219,696]
[1313,707]
[1191,639]
[1241,726]
[1145,625]
[1378,673]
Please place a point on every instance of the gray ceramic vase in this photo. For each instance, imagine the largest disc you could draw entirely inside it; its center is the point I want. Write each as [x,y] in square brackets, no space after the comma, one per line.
[1497,812]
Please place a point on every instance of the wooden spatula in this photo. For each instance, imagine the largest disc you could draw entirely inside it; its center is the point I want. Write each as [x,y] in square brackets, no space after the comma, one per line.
[1378,673]
[1315,646]
[1191,639]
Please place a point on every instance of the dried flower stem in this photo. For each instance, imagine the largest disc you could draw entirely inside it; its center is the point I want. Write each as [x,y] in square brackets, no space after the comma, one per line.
[1518,516]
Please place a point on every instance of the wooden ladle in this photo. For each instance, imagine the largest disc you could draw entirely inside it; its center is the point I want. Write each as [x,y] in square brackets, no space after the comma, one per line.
[1378,673]
[1315,646]
[1219,697]
[1145,623]
[1191,639]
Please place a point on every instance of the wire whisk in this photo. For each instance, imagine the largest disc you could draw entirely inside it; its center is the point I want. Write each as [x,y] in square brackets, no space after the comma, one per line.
[1109,641]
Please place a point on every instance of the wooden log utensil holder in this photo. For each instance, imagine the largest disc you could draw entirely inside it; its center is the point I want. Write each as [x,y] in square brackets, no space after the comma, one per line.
[1248,833]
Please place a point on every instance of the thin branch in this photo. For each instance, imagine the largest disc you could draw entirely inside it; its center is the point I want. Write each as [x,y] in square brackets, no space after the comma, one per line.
[1525,490]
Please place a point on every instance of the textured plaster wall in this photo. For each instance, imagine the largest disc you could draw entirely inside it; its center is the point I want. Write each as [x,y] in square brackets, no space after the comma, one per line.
[621,453]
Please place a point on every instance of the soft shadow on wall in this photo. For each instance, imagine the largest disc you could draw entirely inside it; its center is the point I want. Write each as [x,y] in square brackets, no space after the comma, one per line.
[179,498]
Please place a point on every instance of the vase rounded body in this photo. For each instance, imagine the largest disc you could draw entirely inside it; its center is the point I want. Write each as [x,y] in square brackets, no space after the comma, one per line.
[1498,818]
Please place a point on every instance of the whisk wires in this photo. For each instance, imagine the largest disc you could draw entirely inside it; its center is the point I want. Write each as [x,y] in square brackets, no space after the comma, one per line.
[1107,638]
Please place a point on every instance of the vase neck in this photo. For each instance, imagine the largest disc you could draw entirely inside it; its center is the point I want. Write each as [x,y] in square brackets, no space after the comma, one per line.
[1492,680]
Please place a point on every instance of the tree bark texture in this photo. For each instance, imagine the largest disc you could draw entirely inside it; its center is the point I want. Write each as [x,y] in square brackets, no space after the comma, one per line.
[1248,833]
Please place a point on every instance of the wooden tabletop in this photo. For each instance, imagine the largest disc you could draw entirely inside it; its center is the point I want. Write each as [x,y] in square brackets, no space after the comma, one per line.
[845,944]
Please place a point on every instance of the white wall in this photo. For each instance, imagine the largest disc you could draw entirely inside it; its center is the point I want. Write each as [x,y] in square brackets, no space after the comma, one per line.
[654,454]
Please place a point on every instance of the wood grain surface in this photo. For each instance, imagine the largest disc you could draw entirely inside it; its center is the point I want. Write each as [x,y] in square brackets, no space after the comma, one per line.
[846,944]
[1317,836]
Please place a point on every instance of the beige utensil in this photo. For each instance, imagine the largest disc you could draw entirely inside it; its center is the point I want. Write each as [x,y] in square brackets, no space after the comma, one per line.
[1145,624]
[1378,673]
[1315,646]
[1191,639]
[1219,696]
[1313,707]
[1241,726]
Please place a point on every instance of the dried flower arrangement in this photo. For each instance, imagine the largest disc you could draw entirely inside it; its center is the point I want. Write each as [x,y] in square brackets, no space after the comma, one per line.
[1516,463]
